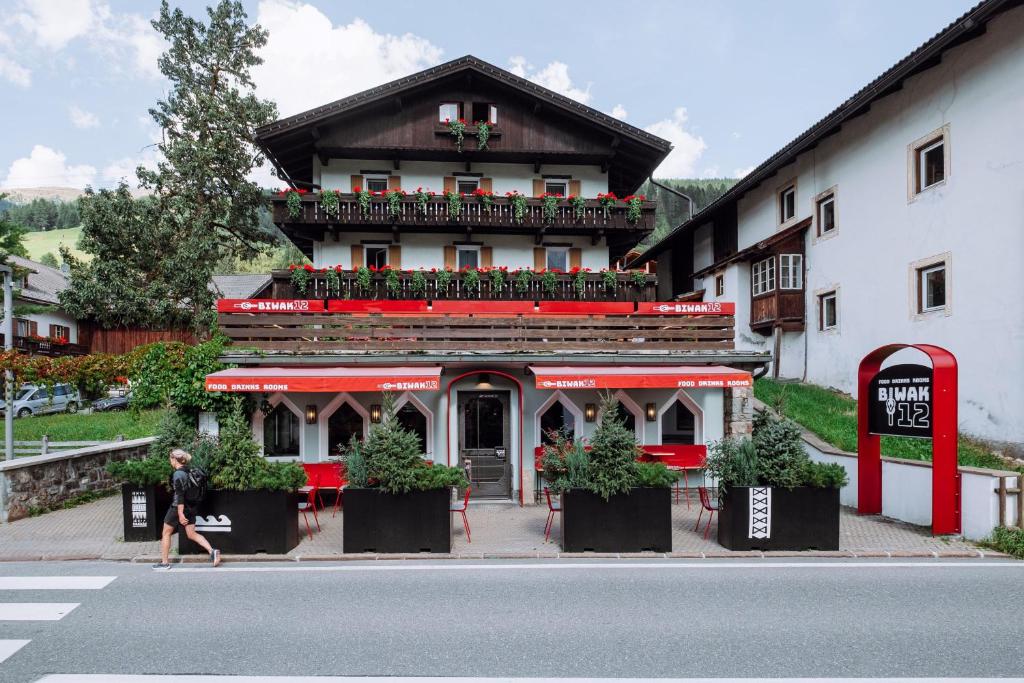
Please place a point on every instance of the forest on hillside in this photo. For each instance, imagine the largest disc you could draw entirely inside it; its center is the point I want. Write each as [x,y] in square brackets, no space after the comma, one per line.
[673,209]
[42,213]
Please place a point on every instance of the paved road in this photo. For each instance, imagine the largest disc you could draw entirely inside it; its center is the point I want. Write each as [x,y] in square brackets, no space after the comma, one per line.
[558,619]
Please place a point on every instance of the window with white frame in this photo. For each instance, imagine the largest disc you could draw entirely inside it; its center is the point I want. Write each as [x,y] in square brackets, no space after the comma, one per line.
[931,288]
[559,187]
[720,285]
[376,183]
[930,164]
[762,276]
[828,311]
[375,255]
[557,258]
[787,203]
[448,111]
[791,271]
[60,332]
[826,214]
[468,256]
[465,185]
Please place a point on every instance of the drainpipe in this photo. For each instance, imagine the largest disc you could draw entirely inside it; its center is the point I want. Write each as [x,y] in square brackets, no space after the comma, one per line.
[688,198]
[8,331]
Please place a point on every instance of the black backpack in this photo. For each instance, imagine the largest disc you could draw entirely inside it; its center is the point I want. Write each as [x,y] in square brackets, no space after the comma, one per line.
[195,485]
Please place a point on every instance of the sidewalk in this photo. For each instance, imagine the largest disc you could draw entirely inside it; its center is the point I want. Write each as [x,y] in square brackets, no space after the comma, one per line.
[93,531]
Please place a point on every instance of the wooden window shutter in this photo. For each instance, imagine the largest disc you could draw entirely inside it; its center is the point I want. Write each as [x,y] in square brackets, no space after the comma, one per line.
[33,328]
[357,181]
[394,182]
[575,257]
[449,183]
[357,256]
[395,256]
[575,187]
[486,257]
[538,187]
[540,258]
[487,184]
[449,257]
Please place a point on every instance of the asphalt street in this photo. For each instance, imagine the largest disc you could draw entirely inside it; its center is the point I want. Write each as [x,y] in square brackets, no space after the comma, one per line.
[602,618]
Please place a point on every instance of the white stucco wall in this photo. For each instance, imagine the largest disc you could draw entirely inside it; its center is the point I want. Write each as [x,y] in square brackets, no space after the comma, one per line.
[976,217]
[45,320]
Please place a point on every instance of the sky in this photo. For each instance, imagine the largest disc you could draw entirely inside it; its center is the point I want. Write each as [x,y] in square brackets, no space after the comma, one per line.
[727,82]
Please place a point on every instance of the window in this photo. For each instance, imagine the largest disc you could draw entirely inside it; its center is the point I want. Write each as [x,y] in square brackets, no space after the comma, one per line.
[60,390]
[791,271]
[467,185]
[559,187]
[787,203]
[281,432]
[826,214]
[827,311]
[678,425]
[24,327]
[376,183]
[557,258]
[762,277]
[485,111]
[931,165]
[628,418]
[449,111]
[410,417]
[931,288]
[343,424]
[557,418]
[720,285]
[468,257]
[60,332]
[484,422]
[375,255]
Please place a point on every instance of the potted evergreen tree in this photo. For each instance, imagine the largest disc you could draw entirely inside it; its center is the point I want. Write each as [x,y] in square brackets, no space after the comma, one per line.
[611,502]
[395,501]
[771,495]
[145,495]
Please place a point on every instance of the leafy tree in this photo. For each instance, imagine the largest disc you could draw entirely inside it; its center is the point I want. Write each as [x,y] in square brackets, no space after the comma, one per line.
[11,236]
[155,256]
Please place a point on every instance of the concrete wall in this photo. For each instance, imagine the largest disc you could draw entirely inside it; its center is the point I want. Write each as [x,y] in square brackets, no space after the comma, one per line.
[45,481]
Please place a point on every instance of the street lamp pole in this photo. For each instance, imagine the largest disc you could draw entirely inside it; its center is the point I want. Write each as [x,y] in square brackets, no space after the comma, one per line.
[8,331]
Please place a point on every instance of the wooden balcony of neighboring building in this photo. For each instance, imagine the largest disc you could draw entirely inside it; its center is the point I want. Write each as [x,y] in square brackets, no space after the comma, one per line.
[42,346]
[628,286]
[779,308]
[461,327]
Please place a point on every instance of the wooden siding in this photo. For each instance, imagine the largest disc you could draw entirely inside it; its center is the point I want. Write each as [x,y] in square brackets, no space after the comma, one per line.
[124,339]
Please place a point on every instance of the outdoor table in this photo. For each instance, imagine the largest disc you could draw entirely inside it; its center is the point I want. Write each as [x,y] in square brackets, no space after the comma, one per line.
[685,469]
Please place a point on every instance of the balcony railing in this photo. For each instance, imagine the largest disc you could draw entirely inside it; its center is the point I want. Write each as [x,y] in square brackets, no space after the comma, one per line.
[777,309]
[437,212]
[592,287]
[494,327]
[46,347]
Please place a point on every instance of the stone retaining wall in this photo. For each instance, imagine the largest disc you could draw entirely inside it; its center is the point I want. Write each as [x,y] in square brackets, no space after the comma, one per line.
[46,481]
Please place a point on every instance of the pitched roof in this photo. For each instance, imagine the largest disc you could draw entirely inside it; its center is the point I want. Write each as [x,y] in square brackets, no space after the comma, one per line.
[44,283]
[242,286]
[969,26]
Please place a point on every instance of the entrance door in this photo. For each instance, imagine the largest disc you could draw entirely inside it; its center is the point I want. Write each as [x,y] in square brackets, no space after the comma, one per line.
[484,442]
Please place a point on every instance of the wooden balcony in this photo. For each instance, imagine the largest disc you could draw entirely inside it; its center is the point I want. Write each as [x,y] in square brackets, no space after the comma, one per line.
[46,347]
[780,308]
[435,216]
[628,287]
[495,328]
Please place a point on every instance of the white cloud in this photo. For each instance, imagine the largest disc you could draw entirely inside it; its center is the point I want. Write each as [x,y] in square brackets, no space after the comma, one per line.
[55,23]
[47,167]
[15,73]
[741,172]
[687,148]
[309,61]
[554,76]
[710,172]
[619,112]
[81,118]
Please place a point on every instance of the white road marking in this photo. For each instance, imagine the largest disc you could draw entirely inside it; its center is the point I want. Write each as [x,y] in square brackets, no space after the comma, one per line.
[104,678]
[406,566]
[35,611]
[46,583]
[9,647]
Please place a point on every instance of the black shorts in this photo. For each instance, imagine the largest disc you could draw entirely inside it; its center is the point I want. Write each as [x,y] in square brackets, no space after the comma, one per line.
[171,518]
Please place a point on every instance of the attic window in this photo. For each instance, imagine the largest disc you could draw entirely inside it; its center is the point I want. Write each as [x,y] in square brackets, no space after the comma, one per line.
[485,111]
[449,111]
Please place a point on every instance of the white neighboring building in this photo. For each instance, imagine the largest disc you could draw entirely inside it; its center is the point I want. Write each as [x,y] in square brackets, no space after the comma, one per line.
[899,217]
[38,286]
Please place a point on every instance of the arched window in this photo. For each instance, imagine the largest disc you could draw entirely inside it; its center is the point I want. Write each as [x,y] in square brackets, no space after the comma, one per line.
[342,425]
[410,417]
[281,432]
[678,425]
[628,418]
[556,418]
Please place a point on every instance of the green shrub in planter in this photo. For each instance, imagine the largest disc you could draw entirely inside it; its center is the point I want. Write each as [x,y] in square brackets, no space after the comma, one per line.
[152,471]
[236,464]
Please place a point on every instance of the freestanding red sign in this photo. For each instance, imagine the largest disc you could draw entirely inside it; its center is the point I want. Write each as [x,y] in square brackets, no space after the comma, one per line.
[907,402]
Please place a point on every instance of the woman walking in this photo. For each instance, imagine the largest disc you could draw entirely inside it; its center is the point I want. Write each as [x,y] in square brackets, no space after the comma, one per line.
[182,511]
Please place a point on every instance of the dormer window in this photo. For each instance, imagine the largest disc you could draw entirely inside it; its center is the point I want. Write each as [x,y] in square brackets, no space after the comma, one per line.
[485,111]
[449,111]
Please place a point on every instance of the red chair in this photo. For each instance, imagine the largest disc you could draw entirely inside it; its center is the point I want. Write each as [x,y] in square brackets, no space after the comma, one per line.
[310,506]
[705,504]
[461,508]
[553,507]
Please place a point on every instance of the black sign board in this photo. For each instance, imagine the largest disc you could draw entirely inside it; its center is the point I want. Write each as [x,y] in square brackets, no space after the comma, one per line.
[900,401]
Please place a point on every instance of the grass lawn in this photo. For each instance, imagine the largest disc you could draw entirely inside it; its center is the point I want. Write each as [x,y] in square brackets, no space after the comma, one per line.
[81,427]
[43,241]
[833,417]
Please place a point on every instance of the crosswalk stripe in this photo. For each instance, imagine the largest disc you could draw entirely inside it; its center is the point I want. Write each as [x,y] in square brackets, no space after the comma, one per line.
[46,583]
[104,678]
[35,611]
[9,647]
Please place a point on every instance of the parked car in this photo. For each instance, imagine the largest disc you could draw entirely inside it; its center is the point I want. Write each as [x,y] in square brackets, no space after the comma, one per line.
[112,403]
[33,400]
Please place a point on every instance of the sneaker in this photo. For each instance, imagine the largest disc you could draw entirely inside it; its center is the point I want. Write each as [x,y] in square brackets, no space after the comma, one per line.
[215,556]
[161,565]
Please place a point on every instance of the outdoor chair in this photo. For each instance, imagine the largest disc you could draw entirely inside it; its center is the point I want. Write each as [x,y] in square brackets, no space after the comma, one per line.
[461,508]
[310,506]
[553,507]
[705,504]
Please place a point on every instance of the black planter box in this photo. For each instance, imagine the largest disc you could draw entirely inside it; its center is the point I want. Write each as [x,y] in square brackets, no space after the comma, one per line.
[634,522]
[246,522]
[143,509]
[378,522]
[801,518]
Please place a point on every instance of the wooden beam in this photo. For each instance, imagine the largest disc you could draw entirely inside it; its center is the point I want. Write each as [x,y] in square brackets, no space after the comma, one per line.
[469,166]
[397,163]
[595,238]
[536,166]
[396,236]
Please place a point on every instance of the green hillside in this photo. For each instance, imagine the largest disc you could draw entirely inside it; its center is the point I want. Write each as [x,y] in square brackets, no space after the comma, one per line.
[41,242]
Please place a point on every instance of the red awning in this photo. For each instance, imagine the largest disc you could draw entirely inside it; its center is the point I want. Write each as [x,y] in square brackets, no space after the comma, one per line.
[639,377]
[325,379]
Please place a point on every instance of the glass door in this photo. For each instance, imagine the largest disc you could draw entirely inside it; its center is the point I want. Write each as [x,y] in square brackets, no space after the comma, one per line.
[484,443]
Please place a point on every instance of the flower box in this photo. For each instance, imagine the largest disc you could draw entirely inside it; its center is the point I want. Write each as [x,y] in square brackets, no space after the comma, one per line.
[246,522]
[767,518]
[143,509]
[634,522]
[379,522]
